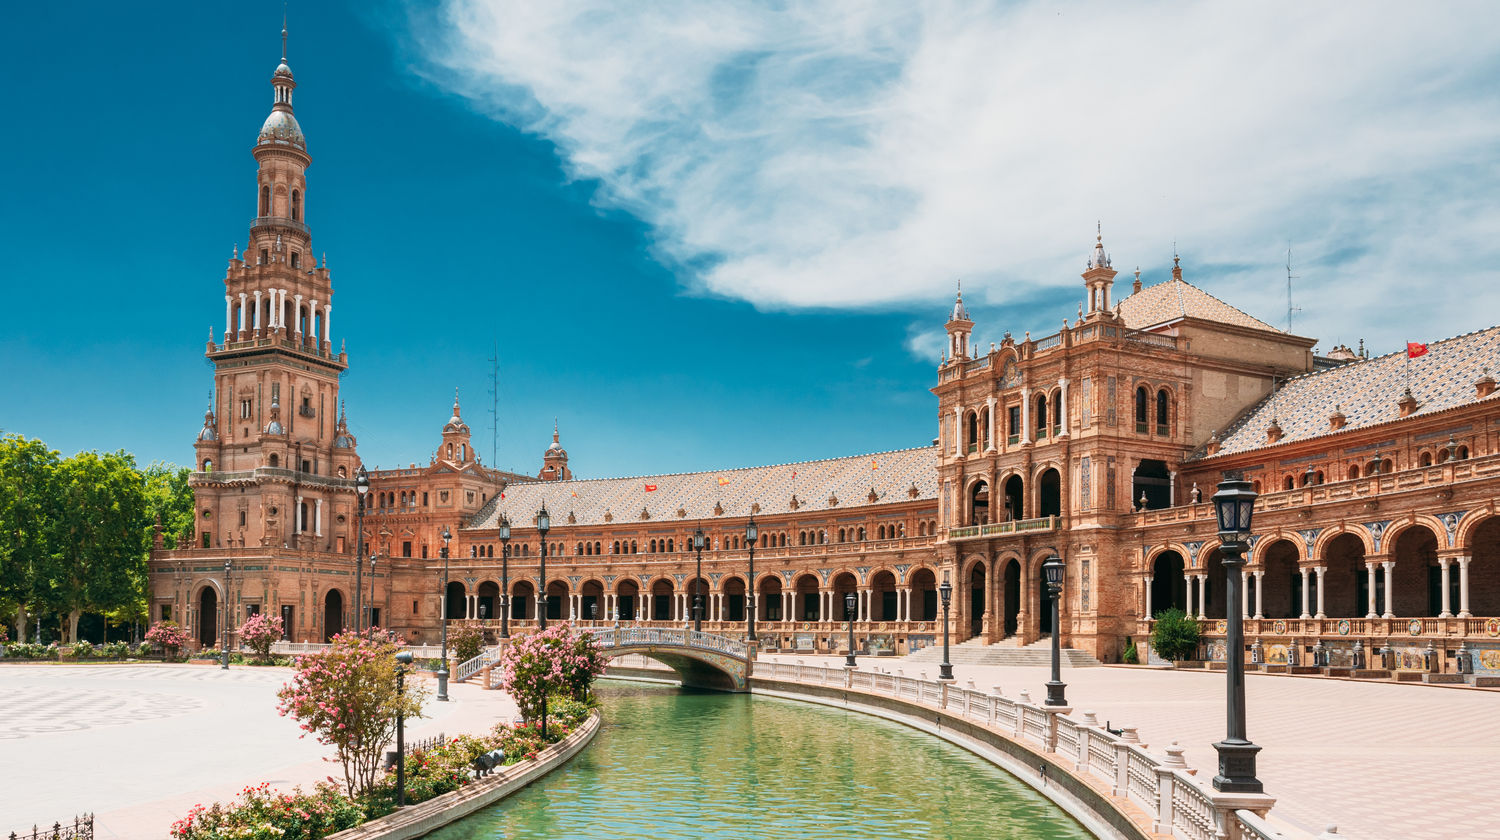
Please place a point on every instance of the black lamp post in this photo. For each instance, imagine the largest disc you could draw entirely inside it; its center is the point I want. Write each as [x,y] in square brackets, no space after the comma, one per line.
[442,674]
[752,534]
[504,577]
[594,612]
[224,629]
[698,584]
[945,671]
[371,606]
[543,525]
[403,659]
[1235,504]
[849,603]
[1052,572]
[362,484]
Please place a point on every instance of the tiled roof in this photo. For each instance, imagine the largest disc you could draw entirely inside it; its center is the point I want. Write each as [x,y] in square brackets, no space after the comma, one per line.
[1367,391]
[849,479]
[1178,299]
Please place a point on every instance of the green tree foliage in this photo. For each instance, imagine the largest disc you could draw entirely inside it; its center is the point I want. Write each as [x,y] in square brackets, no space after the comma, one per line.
[169,501]
[28,513]
[1175,635]
[102,534]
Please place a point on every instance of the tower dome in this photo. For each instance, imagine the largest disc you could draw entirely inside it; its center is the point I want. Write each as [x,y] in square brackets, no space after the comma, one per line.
[208,433]
[281,127]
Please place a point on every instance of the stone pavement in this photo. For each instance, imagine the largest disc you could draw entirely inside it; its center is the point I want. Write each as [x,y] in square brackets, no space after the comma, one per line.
[139,745]
[1382,761]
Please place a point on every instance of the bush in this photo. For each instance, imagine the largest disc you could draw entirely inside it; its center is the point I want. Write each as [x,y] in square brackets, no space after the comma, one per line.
[169,635]
[520,742]
[466,642]
[558,660]
[346,696]
[566,711]
[143,649]
[30,650]
[259,632]
[115,650]
[1175,635]
[1131,655]
[262,813]
[81,649]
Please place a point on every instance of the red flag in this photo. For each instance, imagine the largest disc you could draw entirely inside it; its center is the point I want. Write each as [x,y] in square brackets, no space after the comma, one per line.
[794,473]
[650,488]
[1413,349]
[723,481]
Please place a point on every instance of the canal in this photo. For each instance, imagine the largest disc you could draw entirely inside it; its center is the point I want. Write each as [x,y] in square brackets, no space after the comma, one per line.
[675,764]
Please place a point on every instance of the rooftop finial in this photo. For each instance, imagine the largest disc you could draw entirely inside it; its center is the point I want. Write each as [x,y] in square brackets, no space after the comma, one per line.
[455,400]
[1099,231]
[283,33]
[554,430]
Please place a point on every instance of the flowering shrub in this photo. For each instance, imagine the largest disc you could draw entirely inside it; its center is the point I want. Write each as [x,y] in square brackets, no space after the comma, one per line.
[259,632]
[346,696]
[81,649]
[30,650]
[115,650]
[520,742]
[558,660]
[263,813]
[4,636]
[169,635]
[143,649]
[466,642]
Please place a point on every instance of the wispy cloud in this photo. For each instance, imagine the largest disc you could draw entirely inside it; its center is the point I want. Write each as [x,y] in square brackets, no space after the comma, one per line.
[856,154]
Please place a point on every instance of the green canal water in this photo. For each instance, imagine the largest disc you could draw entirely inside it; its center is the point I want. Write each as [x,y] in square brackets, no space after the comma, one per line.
[679,764]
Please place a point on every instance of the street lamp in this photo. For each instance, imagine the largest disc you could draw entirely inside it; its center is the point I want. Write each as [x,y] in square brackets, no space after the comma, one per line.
[698,584]
[849,598]
[403,659]
[752,533]
[224,630]
[1234,505]
[504,577]
[442,673]
[945,671]
[371,606]
[362,484]
[1052,572]
[594,612]
[543,525]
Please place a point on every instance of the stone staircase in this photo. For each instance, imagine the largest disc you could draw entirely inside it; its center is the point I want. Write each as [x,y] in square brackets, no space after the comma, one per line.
[1005,652]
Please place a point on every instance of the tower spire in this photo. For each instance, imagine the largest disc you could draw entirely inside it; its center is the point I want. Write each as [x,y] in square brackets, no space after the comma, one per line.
[283,33]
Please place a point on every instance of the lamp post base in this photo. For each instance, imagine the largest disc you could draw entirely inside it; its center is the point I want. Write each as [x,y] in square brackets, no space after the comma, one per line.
[945,672]
[1237,767]
[442,677]
[1055,693]
[849,661]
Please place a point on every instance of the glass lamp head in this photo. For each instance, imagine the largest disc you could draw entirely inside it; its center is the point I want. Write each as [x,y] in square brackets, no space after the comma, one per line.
[1234,505]
[752,531]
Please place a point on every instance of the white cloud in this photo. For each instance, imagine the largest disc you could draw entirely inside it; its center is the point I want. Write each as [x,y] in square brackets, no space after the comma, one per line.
[852,154]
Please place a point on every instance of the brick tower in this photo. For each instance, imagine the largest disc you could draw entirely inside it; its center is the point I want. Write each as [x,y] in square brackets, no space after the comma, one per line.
[275,458]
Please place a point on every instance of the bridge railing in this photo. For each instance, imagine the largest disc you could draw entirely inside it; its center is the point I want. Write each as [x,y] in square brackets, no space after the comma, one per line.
[469,668]
[1176,803]
[681,637]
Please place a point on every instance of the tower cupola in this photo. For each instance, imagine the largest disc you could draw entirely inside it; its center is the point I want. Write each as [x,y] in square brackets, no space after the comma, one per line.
[456,446]
[555,461]
[959,327]
[1098,278]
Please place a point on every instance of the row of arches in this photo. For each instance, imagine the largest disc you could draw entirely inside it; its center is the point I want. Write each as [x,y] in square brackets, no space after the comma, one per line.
[293,208]
[1149,408]
[1014,502]
[1342,578]
[1376,465]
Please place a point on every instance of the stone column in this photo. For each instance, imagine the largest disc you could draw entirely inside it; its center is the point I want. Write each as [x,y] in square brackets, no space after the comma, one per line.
[318,517]
[274,297]
[1202,587]
[242,312]
[958,431]
[788,605]
[1306,595]
[1025,415]
[312,319]
[903,604]
[1172,488]
[1463,586]
[1062,414]
[228,316]
[1322,612]
[1188,578]
[1148,596]
[255,325]
[327,316]
[1244,593]
[1260,601]
[297,315]
[1446,563]
[298,524]
[990,404]
[1370,587]
[1390,594]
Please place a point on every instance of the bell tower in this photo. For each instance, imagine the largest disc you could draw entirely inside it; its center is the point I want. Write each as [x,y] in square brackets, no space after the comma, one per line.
[959,328]
[274,456]
[1099,278]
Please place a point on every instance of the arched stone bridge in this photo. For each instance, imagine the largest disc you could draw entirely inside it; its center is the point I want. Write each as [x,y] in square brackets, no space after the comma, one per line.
[702,659]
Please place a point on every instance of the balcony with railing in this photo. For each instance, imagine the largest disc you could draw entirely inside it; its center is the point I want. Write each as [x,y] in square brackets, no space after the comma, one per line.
[1042,524]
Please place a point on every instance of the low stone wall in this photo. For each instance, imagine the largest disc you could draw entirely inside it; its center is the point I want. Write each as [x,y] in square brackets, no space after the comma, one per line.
[426,817]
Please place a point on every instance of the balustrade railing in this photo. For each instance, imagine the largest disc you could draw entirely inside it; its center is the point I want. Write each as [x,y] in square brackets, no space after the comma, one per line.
[486,657]
[1173,800]
[623,636]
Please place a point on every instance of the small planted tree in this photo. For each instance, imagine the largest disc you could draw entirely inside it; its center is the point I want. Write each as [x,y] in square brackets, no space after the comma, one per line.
[559,660]
[259,632]
[346,696]
[169,635]
[1175,635]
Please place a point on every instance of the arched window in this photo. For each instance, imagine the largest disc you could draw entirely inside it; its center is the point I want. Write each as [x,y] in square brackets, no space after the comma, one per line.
[1142,398]
[861,533]
[1163,412]
[274,459]
[973,432]
[1353,471]
[208,465]
[841,535]
[670,547]
[1257,485]
[1463,453]
[633,549]
[265,201]
[1057,411]
[296,205]
[1041,415]
[614,547]
[1289,483]
[296,260]
[1426,459]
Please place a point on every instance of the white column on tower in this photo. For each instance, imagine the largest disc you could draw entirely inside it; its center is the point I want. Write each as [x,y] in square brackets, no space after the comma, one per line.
[1306,593]
[327,316]
[1025,414]
[312,319]
[990,403]
[318,517]
[1390,589]
[958,431]
[1321,613]
[1260,609]
[228,314]
[297,517]
[242,311]
[1062,410]
[1463,587]
[256,324]
[280,308]
[297,315]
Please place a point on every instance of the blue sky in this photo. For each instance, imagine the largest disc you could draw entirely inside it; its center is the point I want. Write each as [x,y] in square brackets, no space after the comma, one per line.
[717,235]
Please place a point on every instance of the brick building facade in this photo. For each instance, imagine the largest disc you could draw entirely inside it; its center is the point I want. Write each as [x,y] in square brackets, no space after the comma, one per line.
[1099,443]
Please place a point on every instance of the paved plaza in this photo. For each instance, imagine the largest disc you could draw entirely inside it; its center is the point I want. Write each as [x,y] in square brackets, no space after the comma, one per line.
[139,745]
[1382,761]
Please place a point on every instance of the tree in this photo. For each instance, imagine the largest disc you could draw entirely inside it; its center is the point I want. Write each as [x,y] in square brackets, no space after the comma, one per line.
[28,536]
[1174,635]
[347,697]
[169,500]
[260,631]
[101,520]
[558,660]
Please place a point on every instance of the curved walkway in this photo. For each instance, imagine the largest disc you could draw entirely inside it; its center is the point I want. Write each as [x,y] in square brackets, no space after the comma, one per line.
[1361,755]
[139,745]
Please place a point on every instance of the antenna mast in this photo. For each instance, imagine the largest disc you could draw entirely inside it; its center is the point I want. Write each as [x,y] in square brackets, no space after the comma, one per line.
[1289,278]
